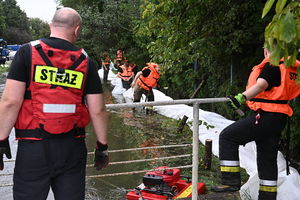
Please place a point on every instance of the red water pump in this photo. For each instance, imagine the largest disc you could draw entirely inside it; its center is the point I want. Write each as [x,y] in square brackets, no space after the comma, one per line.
[164,183]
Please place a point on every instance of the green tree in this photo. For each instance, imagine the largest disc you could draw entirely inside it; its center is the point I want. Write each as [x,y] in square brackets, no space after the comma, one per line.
[17,26]
[108,26]
[2,19]
[38,28]
[282,35]
[216,33]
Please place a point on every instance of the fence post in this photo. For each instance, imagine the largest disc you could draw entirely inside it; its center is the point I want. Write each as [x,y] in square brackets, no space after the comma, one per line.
[195,151]
[208,153]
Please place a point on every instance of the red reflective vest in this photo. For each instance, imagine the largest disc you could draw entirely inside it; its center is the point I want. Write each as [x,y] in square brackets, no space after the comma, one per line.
[151,80]
[53,101]
[127,72]
[276,99]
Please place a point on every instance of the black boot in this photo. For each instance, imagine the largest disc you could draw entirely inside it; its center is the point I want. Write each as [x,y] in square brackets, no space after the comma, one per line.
[230,182]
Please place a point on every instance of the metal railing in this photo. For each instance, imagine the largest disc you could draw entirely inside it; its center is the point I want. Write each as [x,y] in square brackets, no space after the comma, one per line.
[195,144]
[195,102]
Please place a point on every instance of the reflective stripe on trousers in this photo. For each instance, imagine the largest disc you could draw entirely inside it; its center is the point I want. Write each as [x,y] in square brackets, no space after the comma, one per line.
[229,166]
[268,185]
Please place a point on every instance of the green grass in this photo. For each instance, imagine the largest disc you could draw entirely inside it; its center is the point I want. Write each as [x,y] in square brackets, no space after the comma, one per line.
[3,69]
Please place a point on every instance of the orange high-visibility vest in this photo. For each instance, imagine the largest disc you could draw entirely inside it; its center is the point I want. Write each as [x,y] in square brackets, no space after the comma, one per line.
[151,80]
[127,72]
[276,99]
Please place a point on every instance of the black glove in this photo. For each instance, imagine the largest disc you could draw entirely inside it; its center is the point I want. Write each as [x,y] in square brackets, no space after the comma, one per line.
[101,156]
[237,100]
[4,149]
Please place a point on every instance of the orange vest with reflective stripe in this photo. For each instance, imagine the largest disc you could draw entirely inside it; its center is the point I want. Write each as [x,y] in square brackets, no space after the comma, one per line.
[151,80]
[127,72]
[276,99]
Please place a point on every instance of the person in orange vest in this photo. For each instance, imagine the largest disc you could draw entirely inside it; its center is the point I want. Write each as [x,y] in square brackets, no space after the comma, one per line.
[119,55]
[126,74]
[105,64]
[144,81]
[50,83]
[268,91]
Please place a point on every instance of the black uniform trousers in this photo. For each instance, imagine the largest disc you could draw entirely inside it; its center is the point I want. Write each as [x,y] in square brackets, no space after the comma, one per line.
[57,162]
[126,84]
[105,72]
[266,134]
[139,91]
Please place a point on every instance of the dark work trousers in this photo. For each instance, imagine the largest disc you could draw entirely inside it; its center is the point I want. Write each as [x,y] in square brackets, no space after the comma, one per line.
[266,134]
[139,91]
[126,84]
[58,162]
[105,72]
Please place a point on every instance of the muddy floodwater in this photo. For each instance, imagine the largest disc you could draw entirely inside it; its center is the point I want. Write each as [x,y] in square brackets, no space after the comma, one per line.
[130,130]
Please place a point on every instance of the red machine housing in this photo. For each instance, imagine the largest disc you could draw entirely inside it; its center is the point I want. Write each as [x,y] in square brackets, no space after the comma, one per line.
[164,183]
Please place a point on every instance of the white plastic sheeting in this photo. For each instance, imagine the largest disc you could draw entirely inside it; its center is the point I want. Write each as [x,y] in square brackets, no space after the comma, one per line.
[288,186]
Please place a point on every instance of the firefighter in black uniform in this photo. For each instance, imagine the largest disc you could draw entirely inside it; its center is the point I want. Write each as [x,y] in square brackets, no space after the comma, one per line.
[267,93]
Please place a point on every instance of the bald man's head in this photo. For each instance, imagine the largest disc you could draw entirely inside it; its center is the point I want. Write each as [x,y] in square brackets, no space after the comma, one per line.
[66,24]
[66,17]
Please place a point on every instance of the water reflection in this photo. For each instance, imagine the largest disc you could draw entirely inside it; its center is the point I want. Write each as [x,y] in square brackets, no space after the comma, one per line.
[122,134]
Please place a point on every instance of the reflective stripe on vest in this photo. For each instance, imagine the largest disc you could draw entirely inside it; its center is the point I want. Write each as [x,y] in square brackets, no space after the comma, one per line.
[59,108]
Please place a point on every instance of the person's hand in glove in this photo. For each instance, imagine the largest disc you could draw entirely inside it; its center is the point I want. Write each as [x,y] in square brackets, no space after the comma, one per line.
[237,100]
[4,149]
[101,156]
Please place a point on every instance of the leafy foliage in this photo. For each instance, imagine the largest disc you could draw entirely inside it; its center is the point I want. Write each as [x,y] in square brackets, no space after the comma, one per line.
[295,123]
[108,26]
[282,35]
[2,19]
[16,26]
[218,34]
[282,38]
[38,28]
